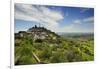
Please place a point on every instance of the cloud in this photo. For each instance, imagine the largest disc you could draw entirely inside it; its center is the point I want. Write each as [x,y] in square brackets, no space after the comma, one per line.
[85,20]
[74,28]
[38,14]
[89,19]
[82,10]
[77,21]
[81,25]
[67,28]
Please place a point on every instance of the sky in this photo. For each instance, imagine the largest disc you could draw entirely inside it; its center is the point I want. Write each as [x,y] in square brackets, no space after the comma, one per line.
[55,18]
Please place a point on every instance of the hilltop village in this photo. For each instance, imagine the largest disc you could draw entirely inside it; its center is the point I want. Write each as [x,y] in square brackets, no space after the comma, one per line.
[36,33]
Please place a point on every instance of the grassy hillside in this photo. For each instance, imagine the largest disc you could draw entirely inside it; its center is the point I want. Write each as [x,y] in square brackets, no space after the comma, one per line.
[61,49]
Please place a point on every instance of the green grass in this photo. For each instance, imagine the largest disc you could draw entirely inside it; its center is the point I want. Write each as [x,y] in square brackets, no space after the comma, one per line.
[54,51]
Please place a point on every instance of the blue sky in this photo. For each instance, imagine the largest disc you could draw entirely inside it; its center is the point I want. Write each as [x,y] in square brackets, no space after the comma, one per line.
[54,18]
